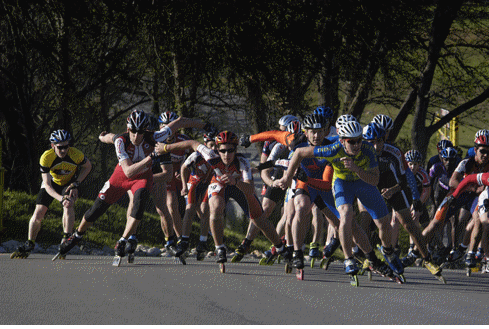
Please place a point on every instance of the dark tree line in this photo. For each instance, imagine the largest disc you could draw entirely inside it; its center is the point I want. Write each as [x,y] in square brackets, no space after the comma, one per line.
[83,65]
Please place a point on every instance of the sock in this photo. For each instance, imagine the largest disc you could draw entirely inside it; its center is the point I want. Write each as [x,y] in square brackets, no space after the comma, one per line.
[220,246]
[123,239]
[78,234]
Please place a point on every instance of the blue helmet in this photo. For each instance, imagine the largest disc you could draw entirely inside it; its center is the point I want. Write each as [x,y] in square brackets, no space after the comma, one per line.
[449,153]
[59,136]
[325,111]
[443,144]
[413,156]
[373,131]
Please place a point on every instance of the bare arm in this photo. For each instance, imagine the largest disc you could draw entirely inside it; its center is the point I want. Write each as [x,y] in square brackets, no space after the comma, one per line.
[106,137]
[132,169]
[165,175]
[162,148]
[184,176]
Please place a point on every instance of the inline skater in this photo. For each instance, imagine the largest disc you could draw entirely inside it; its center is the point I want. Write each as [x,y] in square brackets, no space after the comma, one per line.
[232,178]
[63,168]
[271,196]
[196,174]
[174,200]
[356,174]
[397,185]
[134,151]
[442,144]
[414,160]
[387,124]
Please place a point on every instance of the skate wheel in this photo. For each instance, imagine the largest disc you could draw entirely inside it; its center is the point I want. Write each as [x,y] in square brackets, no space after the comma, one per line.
[288,268]
[62,257]
[369,275]
[263,261]
[117,261]
[300,274]
[222,268]
[354,280]
[130,258]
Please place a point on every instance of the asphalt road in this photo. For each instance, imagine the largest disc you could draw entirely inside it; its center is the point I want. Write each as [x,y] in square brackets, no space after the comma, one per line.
[87,290]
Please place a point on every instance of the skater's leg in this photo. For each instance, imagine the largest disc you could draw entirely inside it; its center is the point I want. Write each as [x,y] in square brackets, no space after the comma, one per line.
[301,221]
[172,203]
[35,221]
[217,207]
[317,224]
[159,199]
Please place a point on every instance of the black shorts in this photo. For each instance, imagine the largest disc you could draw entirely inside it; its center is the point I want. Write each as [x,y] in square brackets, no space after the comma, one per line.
[276,194]
[399,201]
[45,199]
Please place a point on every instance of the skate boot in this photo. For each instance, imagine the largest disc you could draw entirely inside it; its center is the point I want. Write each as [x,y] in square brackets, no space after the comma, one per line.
[298,263]
[182,246]
[314,253]
[120,251]
[221,259]
[131,246]
[351,269]
[201,250]
[410,259]
[456,254]
[66,236]
[24,250]
[470,260]
[434,269]
[171,247]
[287,257]
[328,252]
[392,260]
[173,250]
[241,251]
[381,268]
[67,245]
[269,256]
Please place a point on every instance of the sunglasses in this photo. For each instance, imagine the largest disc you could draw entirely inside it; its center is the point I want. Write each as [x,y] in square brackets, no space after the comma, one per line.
[354,141]
[64,147]
[135,131]
[227,150]
[484,151]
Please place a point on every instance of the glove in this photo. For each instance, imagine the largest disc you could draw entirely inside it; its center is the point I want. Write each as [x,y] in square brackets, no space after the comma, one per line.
[210,129]
[301,175]
[244,140]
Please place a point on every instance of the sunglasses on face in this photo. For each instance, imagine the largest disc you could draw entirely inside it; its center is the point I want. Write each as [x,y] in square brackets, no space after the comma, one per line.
[64,147]
[354,141]
[227,150]
[135,131]
[484,151]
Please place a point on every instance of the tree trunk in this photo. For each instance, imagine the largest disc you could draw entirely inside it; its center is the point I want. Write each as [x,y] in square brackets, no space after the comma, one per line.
[444,15]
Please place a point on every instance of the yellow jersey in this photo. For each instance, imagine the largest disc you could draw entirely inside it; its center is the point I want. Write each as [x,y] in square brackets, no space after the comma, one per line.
[62,170]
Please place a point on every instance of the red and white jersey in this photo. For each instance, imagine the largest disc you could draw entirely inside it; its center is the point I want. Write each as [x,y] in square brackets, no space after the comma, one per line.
[240,168]
[177,157]
[124,149]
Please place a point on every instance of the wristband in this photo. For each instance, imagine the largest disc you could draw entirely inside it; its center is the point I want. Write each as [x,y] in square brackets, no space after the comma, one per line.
[65,197]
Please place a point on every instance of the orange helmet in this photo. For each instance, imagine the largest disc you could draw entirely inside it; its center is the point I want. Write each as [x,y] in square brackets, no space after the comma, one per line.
[227,137]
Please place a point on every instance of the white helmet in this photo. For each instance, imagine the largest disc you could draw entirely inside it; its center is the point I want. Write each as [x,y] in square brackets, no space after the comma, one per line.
[342,119]
[137,120]
[384,120]
[351,129]
[286,119]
